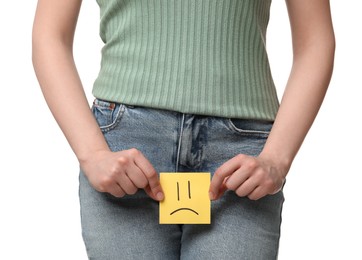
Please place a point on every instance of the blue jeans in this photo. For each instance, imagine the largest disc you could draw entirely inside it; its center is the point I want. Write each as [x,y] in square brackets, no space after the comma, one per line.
[128,227]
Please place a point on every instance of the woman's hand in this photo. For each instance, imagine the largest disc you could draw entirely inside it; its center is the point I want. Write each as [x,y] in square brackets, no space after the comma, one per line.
[254,177]
[118,173]
[121,173]
[313,56]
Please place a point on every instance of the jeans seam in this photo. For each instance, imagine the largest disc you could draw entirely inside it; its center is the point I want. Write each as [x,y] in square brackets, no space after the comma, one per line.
[116,120]
[179,142]
[245,132]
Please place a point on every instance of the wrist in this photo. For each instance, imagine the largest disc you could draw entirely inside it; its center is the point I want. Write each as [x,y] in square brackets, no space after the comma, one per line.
[279,162]
[87,156]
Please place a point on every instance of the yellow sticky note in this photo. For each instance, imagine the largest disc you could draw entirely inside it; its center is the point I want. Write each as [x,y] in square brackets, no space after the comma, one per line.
[186,198]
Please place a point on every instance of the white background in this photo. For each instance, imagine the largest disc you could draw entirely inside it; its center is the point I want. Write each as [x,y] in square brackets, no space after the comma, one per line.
[39,210]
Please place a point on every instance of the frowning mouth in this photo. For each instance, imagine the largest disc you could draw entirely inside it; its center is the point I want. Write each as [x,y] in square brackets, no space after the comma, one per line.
[173,212]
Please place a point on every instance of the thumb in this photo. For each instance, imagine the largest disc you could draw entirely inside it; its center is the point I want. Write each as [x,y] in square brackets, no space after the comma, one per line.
[155,194]
[219,193]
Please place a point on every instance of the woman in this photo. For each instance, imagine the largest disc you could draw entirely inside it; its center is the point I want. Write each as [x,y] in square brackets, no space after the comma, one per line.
[184,86]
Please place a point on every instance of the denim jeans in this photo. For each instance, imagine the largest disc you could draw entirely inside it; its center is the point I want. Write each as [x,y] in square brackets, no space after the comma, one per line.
[128,227]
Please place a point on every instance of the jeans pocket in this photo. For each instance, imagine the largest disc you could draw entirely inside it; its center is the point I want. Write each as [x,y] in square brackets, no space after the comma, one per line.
[108,114]
[250,127]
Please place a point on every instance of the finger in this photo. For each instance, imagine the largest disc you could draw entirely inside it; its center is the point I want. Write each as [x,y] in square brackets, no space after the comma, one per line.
[246,187]
[148,191]
[137,177]
[221,173]
[126,184]
[221,192]
[156,189]
[116,191]
[237,179]
[151,175]
[257,193]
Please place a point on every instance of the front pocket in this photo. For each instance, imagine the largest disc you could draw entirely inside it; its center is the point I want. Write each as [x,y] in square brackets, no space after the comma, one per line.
[250,127]
[108,114]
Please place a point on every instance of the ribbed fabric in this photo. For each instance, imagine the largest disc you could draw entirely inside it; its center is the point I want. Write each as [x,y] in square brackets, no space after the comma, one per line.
[193,56]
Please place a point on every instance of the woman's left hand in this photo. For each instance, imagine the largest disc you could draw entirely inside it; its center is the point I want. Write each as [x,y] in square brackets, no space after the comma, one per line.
[254,177]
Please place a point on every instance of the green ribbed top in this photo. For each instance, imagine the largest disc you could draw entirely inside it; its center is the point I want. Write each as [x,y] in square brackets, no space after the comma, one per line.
[193,56]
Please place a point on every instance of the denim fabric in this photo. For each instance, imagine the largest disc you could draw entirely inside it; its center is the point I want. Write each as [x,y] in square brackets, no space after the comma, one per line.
[127,228]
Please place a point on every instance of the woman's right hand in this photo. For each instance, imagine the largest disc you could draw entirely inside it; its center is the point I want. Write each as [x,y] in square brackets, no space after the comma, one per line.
[121,173]
[117,173]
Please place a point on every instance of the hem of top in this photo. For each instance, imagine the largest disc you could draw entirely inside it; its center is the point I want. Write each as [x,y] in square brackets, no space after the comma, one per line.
[191,112]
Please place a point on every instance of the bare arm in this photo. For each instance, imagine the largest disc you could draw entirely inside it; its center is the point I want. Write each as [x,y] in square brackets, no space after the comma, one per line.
[53,33]
[313,55]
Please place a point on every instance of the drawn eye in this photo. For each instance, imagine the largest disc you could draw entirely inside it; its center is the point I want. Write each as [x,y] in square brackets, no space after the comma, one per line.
[178,190]
[189,189]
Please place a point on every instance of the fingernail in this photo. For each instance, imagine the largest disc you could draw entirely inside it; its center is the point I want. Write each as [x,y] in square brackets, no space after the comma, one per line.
[159,196]
[211,195]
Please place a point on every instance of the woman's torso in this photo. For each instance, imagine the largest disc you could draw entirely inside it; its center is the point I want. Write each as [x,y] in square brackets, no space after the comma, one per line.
[193,56]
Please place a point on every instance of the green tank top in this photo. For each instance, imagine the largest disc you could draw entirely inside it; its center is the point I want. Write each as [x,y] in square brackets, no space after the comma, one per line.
[204,57]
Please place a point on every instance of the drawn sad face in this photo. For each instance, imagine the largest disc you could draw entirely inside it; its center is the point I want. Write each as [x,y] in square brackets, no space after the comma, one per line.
[186,198]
